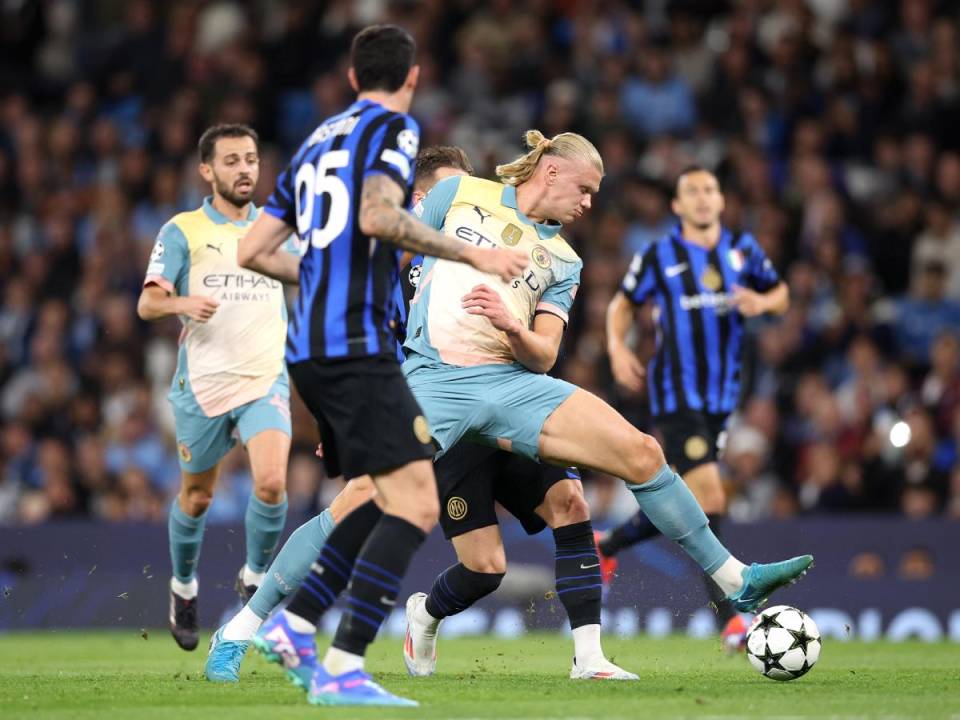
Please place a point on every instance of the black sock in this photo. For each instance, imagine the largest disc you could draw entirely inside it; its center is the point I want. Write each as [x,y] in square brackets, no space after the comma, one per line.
[578,573]
[718,598]
[375,583]
[457,588]
[636,529]
[330,574]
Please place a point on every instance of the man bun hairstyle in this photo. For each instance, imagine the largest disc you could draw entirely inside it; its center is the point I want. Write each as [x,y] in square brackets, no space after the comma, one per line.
[566,145]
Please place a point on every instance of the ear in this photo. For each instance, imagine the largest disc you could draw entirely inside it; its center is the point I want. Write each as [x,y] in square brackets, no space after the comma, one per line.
[551,172]
[352,77]
[723,203]
[675,207]
[417,196]
[206,172]
[413,77]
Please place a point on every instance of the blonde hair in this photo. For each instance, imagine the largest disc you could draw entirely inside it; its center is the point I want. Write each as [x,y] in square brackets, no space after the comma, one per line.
[566,145]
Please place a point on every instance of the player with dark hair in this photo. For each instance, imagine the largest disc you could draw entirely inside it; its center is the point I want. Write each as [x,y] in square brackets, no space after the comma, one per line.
[230,374]
[704,280]
[345,192]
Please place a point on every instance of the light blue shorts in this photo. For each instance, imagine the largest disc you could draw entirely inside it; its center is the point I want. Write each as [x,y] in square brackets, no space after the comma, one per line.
[485,402]
[203,441]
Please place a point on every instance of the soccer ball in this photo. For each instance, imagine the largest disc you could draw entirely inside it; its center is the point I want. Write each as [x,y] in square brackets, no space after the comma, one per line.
[783,643]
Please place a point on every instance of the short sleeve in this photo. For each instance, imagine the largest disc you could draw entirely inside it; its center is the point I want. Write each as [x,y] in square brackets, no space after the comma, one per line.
[282,201]
[393,151]
[170,259]
[759,271]
[639,282]
[558,298]
[433,209]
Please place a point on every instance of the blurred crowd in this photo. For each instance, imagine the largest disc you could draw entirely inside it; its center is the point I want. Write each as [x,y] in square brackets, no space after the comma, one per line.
[831,124]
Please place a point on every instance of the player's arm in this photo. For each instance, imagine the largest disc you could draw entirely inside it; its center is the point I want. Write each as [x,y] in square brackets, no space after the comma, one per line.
[749,302]
[262,250]
[535,348]
[382,216]
[155,303]
[626,366]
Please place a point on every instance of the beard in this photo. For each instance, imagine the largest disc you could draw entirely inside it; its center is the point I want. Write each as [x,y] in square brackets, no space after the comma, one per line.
[236,197]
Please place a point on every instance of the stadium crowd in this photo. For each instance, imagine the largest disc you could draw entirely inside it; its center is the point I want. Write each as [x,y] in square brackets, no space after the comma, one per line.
[831,125]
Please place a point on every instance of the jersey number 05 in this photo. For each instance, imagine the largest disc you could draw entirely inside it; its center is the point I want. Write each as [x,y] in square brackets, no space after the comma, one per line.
[314,181]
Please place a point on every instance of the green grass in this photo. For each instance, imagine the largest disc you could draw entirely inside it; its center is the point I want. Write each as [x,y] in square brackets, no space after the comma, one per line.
[98,676]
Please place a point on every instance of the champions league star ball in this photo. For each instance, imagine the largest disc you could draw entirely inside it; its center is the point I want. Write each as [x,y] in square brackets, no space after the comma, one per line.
[783,643]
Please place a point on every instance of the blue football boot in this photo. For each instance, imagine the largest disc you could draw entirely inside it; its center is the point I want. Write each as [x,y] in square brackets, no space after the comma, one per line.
[224,658]
[281,644]
[761,580]
[353,688]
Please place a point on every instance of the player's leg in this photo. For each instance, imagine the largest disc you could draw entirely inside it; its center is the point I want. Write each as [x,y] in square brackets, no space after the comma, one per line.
[587,432]
[374,426]
[185,526]
[468,517]
[264,428]
[201,444]
[284,575]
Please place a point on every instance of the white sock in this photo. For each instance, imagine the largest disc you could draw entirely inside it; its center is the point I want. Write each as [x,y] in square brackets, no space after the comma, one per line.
[338,662]
[298,624]
[243,625]
[429,622]
[187,590]
[252,578]
[729,576]
[586,644]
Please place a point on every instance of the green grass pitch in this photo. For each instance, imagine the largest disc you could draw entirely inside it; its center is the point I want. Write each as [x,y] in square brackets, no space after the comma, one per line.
[99,676]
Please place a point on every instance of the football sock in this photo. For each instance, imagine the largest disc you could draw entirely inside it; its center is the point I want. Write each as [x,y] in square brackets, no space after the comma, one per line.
[292,563]
[329,574]
[578,573]
[338,662]
[670,505]
[718,598]
[729,576]
[375,582]
[263,524]
[457,588]
[586,644]
[186,536]
[249,577]
[636,529]
[186,590]
[243,625]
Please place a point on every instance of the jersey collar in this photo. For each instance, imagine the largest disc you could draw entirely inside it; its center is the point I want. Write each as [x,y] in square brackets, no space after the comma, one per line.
[220,219]
[545,230]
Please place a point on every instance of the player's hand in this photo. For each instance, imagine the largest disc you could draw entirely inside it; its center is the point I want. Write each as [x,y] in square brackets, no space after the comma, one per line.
[627,369]
[506,263]
[483,300]
[198,307]
[749,302]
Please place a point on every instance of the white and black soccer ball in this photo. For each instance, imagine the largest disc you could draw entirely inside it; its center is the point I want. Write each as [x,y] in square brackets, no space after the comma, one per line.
[783,643]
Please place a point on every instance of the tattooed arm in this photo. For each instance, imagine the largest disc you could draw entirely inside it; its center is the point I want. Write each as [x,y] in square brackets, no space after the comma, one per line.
[382,217]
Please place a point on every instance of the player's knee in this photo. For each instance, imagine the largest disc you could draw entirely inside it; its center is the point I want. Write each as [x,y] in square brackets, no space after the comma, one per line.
[270,487]
[566,505]
[194,501]
[645,458]
[491,564]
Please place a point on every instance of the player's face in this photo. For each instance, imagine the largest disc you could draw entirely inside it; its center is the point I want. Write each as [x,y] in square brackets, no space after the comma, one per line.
[439,174]
[235,169]
[699,200]
[571,185]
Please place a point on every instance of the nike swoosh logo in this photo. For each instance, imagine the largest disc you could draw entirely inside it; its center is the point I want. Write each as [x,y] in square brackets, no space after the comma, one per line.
[387,601]
[587,567]
[675,270]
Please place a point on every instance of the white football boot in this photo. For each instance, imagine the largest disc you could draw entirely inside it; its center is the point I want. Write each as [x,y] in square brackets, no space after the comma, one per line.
[601,669]
[420,641]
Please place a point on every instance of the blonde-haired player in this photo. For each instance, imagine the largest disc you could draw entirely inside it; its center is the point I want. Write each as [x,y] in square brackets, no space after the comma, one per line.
[478,347]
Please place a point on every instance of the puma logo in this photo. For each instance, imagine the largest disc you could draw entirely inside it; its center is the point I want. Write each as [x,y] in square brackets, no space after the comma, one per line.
[483,216]
[215,247]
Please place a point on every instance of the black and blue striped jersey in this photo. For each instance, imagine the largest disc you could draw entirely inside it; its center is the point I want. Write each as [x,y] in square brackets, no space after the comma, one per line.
[347,300]
[697,361]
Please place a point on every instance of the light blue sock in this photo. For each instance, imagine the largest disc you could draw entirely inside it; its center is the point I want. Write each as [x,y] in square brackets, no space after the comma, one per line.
[670,505]
[264,524]
[292,564]
[186,536]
